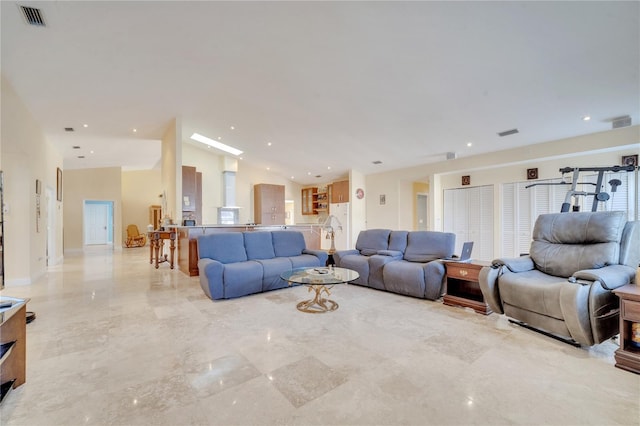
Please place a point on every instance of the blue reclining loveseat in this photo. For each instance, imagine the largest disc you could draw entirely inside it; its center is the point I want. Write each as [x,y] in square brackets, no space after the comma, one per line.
[234,264]
[400,261]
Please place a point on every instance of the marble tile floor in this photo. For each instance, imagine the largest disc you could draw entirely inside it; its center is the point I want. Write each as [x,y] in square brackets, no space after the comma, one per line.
[117,342]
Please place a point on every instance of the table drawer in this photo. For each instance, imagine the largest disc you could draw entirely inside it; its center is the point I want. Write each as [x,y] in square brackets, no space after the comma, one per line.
[631,310]
[464,272]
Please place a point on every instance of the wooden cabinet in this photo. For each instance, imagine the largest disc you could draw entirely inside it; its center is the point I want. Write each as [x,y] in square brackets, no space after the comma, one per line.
[321,203]
[463,288]
[307,200]
[13,350]
[314,201]
[268,204]
[628,355]
[191,194]
[340,192]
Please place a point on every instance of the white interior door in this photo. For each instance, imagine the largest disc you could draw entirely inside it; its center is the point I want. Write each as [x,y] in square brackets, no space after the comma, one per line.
[422,208]
[96,223]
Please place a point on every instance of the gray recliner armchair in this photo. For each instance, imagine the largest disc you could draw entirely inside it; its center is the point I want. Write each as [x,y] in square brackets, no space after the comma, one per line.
[564,286]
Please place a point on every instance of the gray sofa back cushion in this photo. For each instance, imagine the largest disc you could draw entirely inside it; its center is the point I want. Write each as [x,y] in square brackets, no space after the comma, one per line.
[258,245]
[564,243]
[629,247]
[398,241]
[225,247]
[372,240]
[288,243]
[425,246]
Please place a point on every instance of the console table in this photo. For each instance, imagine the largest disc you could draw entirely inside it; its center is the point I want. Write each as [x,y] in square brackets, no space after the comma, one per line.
[628,355]
[13,345]
[463,288]
[156,246]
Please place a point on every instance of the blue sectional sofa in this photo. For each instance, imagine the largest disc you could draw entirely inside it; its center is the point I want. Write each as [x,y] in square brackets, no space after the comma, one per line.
[234,264]
[401,262]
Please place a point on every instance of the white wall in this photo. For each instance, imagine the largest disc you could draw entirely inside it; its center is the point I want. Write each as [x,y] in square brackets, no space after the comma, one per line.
[26,156]
[358,207]
[599,149]
[101,184]
[140,190]
[172,169]
[210,165]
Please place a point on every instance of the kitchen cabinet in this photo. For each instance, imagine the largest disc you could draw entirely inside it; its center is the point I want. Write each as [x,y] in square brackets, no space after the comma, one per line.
[268,204]
[307,200]
[340,192]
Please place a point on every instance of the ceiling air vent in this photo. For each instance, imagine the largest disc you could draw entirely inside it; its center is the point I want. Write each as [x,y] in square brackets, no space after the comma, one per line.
[33,16]
[508,132]
[377,162]
[69,129]
[624,121]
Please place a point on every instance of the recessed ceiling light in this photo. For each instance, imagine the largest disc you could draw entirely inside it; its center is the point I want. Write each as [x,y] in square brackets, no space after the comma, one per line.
[207,141]
[328,167]
[469,143]
[240,158]
[586,118]
[292,177]
[85,125]
[91,151]
[219,138]
[268,143]
[309,173]
[268,168]
[232,127]
[135,130]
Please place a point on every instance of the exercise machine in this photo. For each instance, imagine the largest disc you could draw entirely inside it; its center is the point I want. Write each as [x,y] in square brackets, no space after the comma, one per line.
[598,194]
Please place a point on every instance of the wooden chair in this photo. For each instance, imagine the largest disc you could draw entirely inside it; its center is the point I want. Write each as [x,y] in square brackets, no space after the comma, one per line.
[134,237]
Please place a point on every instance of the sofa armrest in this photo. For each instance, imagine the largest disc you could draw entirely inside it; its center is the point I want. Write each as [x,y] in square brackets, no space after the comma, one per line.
[391,253]
[320,254]
[515,264]
[610,277]
[342,253]
[210,272]
[488,281]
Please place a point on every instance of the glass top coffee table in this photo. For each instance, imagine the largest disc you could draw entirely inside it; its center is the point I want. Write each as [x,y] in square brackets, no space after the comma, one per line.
[320,280]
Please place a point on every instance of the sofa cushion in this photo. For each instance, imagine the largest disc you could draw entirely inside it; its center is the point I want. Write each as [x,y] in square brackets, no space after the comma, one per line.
[398,240]
[425,246]
[564,243]
[225,247]
[372,240]
[242,278]
[271,270]
[288,243]
[358,263]
[258,245]
[533,291]
[306,260]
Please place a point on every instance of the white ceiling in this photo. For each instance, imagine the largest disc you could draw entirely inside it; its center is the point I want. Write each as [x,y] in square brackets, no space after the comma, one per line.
[329,84]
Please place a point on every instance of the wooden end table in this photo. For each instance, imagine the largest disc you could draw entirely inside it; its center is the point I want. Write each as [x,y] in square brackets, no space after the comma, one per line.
[463,288]
[156,246]
[628,355]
